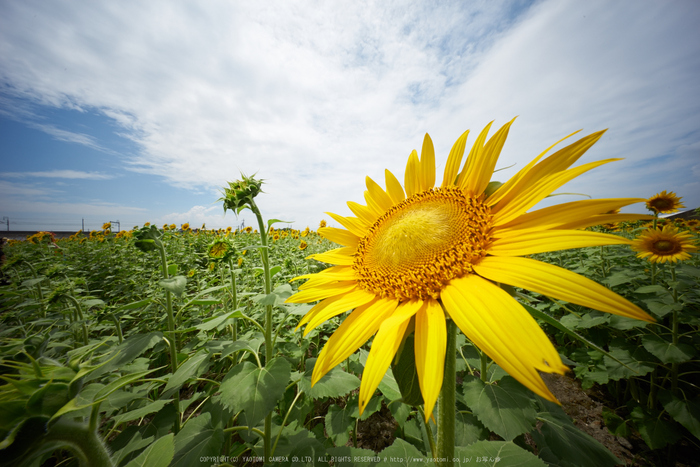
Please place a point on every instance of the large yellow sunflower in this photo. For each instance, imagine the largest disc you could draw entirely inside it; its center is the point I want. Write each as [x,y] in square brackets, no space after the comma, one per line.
[661,245]
[417,255]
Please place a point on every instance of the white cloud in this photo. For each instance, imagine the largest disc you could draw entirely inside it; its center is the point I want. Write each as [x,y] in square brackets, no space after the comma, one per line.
[313,97]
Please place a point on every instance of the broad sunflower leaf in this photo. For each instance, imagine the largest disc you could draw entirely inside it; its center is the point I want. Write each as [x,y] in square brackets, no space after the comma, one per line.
[255,390]
[211,323]
[558,439]
[655,431]
[468,429]
[141,412]
[192,368]
[666,351]
[174,285]
[126,352]
[504,408]
[497,454]
[339,422]
[627,360]
[685,412]
[406,374]
[158,454]
[401,453]
[335,383]
[197,439]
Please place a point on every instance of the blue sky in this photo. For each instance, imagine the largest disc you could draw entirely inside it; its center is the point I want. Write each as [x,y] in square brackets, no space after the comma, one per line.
[140,111]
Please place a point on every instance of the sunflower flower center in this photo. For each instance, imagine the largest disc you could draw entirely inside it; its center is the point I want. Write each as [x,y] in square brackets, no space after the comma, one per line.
[420,244]
[666,247]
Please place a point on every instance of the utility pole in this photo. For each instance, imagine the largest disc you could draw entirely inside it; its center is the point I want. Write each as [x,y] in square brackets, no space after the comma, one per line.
[5,218]
[83,229]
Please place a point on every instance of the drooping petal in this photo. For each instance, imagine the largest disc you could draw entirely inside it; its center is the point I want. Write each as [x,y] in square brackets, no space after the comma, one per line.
[340,256]
[410,179]
[426,174]
[379,196]
[501,327]
[355,330]
[429,344]
[530,243]
[384,347]
[454,161]
[339,236]
[534,194]
[347,302]
[556,282]
[393,188]
[321,292]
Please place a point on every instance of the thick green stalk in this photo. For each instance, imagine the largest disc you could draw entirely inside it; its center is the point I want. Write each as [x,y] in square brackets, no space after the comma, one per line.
[171,329]
[234,300]
[267,447]
[674,331]
[80,439]
[446,401]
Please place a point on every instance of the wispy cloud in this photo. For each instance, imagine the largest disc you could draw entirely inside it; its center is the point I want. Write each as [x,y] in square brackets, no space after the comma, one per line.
[313,98]
[69,174]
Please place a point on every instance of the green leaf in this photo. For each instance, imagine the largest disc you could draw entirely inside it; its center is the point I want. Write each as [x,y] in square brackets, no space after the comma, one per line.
[126,352]
[335,383]
[197,439]
[406,374]
[175,285]
[651,289]
[339,422]
[120,383]
[275,221]
[558,439]
[666,351]
[192,368]
[256,390]
[133,305]
[389,387]
[214,322]
[93,302]
[468,429]
[141,412]
[629,360]
[661,309]
[402,453]
[685,412]
[158,454]
[504,408]
[172,269]
[655,431]
[497,454]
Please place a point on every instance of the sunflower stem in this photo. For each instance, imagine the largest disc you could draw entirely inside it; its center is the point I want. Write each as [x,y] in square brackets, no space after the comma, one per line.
[446,401]
[674,331]
[267,439]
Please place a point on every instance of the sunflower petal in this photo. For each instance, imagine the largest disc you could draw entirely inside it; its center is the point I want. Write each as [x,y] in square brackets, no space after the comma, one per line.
[334,273]
[426,176]
[410,178]
[339,236]
[430,342]
[534,194]
[362,212]
[565,214]
[473,160]
[384,347]
[504,189]
[340,256]
[481,176]
[321,292]
[372,205]
[393,187]
[353,224]
[501,327]
[349,301]
[557,282]
[355,330]
[379,196]
[532,176]
[531,243]
[454,161]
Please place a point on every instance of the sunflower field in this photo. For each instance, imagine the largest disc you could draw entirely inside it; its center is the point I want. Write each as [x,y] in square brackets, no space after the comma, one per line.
[176,346]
